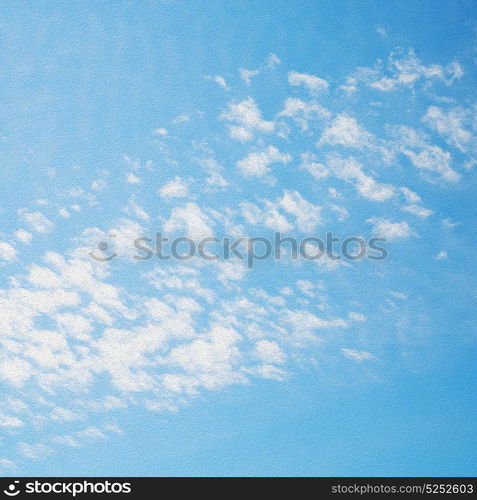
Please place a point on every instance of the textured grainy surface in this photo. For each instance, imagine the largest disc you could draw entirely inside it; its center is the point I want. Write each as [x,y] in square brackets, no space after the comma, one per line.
[121,119]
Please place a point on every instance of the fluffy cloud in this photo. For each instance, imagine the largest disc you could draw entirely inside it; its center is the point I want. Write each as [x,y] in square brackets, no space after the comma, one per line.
[431,159]
[34,451]
[345,131]
[302,111]
[403,70]
[311,82]
[247,75]
[191,219]
[357,355]
[7,252]
[175,188]
[24,236]
[350,170]
[82,340]
[247,118]
[269,352]
[457,126]
[36,221]
[390,230]
[276,214]
[257,164]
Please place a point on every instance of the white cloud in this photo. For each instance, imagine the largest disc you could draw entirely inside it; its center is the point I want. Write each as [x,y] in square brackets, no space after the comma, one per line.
[86,436]
[211,361]
[398,295]
[442,255]
[345,131]
[311,164]
[181,119]
[99,184]
[230,271]
[269,352]
[411,196]
[452,125]
[414,205]
[307,288]
[247,74]
[257,164]
[175,188]
[68,327]
[357,316]
[15,371]
[306,215]
[311,82]
[272,61]
[191,219]
[390,230]
[69,441]
[408,69]
[470,164]
[60,414]
[24,236]
[305,324]
[135,210]
[34,451]
[269,216]
[9,421]
[357,355]
[418,210]
[350,170]
[403,70]
[220,80]
[91,433]
[7,252]
[449,223]
[62,212]
[160,131]
[6,464]
[303,111]
[215,178]
[132,179]
[433,159]
[248,119]
[36,220]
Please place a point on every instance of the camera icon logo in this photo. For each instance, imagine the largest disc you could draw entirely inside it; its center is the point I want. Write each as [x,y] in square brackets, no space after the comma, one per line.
[104,255]
[12,490]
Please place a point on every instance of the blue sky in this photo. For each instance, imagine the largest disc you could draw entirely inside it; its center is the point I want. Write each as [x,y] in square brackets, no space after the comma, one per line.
[237,118]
